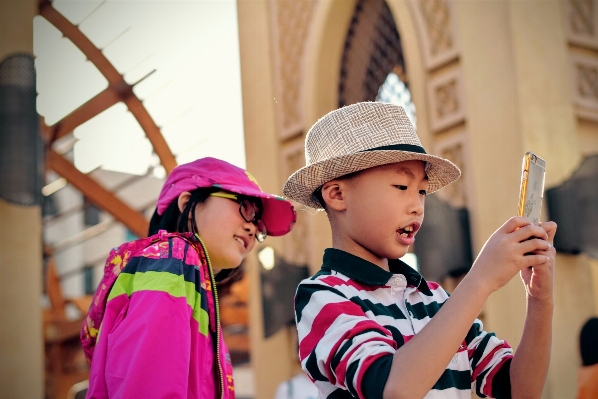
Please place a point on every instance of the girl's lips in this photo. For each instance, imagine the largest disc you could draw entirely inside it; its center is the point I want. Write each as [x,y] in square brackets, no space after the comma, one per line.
[242,241]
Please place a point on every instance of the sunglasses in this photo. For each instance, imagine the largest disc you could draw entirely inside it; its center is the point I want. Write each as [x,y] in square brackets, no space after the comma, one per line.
[249,212]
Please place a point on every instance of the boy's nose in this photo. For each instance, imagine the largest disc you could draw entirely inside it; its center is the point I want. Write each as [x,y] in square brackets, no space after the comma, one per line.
[417,206]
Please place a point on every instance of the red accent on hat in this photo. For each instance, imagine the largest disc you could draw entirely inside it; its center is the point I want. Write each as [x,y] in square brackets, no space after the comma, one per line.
[279,214]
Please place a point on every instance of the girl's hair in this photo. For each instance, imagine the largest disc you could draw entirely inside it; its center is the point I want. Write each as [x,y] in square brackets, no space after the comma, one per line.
[175,221]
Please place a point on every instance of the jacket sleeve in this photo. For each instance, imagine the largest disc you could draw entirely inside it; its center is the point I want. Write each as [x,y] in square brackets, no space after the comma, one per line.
[339,344]
[146,334]
[490,360]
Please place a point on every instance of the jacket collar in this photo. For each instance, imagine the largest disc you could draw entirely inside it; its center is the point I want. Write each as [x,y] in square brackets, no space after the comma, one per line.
[367,272]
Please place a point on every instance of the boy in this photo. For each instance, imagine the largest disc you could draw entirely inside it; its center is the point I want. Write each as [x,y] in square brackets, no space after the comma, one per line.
[370,326]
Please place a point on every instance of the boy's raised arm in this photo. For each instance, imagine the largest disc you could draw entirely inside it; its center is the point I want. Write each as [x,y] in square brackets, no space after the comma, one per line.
[419,363]
[530,364]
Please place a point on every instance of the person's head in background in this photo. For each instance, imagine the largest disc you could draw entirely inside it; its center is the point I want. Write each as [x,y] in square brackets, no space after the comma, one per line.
[222,205]
[588,342]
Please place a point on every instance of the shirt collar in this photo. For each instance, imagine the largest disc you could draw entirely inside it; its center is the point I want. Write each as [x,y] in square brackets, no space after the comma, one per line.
[367,272]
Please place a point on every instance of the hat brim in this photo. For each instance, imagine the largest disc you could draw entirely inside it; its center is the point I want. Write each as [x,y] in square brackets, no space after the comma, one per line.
[301,184]
[279,214]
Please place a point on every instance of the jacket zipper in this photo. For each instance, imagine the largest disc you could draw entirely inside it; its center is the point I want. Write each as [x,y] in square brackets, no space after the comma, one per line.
[218,332]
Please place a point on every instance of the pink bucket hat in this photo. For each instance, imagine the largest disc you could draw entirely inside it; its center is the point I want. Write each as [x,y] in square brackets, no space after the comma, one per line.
[279,215]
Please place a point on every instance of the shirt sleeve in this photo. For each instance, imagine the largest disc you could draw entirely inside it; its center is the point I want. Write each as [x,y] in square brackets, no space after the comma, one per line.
[339,344]
[148,337]
[490,360]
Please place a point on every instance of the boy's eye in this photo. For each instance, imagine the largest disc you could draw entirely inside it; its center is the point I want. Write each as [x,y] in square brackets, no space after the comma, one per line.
[423,192]
[401,187]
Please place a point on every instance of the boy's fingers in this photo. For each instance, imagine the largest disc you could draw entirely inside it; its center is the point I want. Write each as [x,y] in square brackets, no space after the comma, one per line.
[535,260]
[515,223]
[528,232]
[550,228]
[535,244]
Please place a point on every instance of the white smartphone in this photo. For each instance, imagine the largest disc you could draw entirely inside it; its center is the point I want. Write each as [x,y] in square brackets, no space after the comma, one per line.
[532,187]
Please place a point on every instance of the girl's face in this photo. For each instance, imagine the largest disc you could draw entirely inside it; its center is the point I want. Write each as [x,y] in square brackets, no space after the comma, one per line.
[227,236]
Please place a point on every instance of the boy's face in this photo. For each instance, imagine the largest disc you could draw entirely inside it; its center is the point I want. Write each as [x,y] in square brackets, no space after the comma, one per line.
[384,208]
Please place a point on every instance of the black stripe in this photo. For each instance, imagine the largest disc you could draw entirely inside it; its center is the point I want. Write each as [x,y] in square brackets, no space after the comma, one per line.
[185,254]
[479,351]
[312,367]
[501,383]
[375,377]
[478,383]
[304,294]
[396,335]
[340,394]
[454,379]
[399,147]
[421,311]
[170,247]
[174,266]
[379,309]
[350,377]
[338,356]
[473,332]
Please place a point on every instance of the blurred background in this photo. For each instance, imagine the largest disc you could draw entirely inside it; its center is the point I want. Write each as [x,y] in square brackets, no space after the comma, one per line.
[101,99]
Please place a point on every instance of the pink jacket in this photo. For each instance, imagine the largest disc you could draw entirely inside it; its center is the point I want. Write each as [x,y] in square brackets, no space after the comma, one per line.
[158,331]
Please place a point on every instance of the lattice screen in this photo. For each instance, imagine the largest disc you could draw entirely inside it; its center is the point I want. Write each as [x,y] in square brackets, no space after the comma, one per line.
[372,52]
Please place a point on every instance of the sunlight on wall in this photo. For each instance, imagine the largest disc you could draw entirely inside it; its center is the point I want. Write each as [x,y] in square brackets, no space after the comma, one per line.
[193,94]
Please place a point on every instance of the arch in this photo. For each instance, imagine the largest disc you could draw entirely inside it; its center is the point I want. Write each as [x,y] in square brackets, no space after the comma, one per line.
[323,56]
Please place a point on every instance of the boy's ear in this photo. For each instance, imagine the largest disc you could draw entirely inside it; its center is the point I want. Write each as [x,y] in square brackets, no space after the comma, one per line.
[183,199]
[332,194]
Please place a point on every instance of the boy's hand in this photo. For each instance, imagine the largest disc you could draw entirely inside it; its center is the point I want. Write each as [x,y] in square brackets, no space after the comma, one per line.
[504,254]
[538,279]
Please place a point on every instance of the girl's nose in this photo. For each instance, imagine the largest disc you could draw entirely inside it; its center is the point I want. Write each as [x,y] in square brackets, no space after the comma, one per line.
[250,228]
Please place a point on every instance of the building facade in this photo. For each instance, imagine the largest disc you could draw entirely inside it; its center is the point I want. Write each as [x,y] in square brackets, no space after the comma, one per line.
[488,80]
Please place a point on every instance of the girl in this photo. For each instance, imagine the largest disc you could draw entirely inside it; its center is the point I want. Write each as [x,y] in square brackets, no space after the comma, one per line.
[159,324]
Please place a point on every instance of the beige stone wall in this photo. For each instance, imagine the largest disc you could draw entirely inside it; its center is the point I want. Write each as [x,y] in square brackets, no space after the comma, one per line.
[271,358]
[490,80]
[21,341]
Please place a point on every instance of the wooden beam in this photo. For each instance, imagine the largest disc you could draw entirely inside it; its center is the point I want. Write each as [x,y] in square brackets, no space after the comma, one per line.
[85,112]
[99,195]
[152,132]
[115,80]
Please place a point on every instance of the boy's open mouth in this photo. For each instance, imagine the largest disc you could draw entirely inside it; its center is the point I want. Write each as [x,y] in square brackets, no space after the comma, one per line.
[410,230]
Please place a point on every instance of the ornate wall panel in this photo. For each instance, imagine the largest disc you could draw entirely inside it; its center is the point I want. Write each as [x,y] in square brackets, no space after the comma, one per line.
[290,27]
[585,85]
[297,244]
[454,148]
[445,96]
[434,21]
[582,22]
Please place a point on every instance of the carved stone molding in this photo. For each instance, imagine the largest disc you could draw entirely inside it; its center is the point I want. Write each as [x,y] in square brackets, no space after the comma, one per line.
[454,148]
[435,22]
[582,22]
[585,85]
[290,26]
[297,244]
[447,105]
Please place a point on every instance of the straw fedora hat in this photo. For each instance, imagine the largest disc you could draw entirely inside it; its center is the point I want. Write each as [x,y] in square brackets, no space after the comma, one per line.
[358,137]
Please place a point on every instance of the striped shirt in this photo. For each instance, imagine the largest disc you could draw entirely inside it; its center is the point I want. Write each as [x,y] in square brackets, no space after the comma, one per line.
[352,316]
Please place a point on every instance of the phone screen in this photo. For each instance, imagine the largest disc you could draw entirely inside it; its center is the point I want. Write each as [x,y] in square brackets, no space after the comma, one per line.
[532,187]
